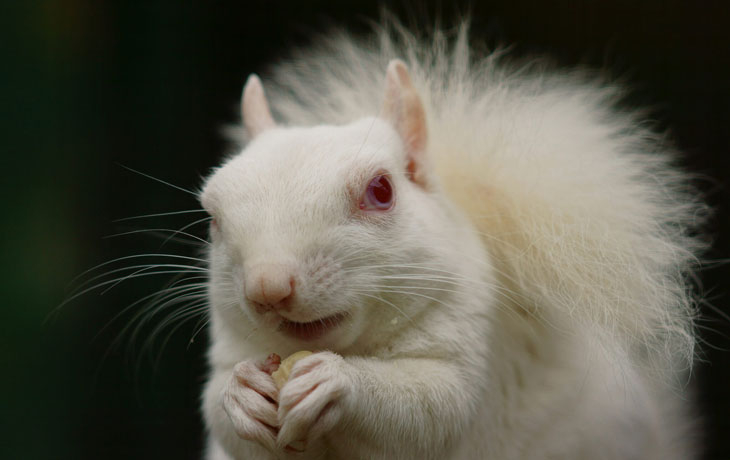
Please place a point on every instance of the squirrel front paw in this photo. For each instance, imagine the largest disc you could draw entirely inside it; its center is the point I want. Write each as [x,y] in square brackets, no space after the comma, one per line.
[310,401]
[249,399]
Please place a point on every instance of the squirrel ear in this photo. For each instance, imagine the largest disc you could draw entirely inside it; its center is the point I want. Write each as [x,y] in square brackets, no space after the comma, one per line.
[254,107]
[404,110]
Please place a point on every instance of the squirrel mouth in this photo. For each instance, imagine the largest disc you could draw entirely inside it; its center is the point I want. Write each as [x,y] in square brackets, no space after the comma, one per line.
[311,330]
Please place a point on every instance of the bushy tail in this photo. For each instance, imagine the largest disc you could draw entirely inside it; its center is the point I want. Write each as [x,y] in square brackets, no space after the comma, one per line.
[579,204]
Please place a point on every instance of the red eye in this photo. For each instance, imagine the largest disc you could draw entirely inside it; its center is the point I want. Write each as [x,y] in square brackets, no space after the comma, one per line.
[378,195]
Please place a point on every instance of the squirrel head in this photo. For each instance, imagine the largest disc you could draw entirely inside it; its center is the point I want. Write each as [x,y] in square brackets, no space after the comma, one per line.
[321,232]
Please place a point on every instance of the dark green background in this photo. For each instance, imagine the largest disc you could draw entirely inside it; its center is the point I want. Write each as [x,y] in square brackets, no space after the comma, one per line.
[87,85]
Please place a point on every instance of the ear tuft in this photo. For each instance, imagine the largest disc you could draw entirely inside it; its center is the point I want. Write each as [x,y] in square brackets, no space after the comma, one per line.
[254,107]
[404,110]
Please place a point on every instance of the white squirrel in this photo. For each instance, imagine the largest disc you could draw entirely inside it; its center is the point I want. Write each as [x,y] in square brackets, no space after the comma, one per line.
[489,262]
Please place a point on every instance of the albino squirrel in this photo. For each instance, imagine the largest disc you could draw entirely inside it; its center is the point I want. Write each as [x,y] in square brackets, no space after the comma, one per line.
[488,262]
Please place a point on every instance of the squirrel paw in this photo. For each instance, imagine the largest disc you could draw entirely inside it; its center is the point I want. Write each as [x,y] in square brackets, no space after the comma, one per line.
[309,403]
[249,399]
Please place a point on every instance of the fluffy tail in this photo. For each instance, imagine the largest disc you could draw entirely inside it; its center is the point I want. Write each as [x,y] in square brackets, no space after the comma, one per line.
[579,204]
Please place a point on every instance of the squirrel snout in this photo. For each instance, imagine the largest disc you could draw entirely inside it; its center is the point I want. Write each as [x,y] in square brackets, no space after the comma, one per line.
[269,287]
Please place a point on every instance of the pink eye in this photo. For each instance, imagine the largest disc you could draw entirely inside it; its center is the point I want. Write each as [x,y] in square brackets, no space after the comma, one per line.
[378,195]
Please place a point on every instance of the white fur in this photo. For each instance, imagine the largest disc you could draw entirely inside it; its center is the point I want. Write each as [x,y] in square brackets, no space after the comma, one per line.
[552,322]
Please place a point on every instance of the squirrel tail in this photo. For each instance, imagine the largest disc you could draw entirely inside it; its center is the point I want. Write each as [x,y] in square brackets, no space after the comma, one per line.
[578,203]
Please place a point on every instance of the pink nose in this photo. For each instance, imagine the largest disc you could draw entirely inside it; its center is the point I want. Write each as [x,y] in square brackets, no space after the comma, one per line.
[269,287]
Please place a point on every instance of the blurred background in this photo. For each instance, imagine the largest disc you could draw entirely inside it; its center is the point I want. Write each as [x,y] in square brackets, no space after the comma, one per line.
[89,88]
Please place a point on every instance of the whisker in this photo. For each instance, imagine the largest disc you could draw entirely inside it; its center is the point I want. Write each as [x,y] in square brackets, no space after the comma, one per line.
[158,296]
[160,214]
[181,241]
[433,269]
[180,231]
[119,259]
[196,306]
[191,313]
[159,301]
[188,269]
[133,267]
[197,328]
[191,309]
[162,230]
[145,316]
[430,288]
[65,302]
[380,299]
[159,180]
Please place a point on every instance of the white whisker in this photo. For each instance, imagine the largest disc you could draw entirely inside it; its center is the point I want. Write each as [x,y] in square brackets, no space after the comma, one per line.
[160,214]
[160,230]
[180,231]
[159,180]
[119,259]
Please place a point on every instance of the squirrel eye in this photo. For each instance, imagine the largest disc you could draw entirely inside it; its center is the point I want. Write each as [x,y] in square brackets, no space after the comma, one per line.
[378,194]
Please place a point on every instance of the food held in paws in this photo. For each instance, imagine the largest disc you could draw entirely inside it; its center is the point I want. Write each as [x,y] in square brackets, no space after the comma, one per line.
[281,375]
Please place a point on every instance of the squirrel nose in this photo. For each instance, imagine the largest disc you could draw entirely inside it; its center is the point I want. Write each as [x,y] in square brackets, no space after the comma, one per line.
[269,287]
